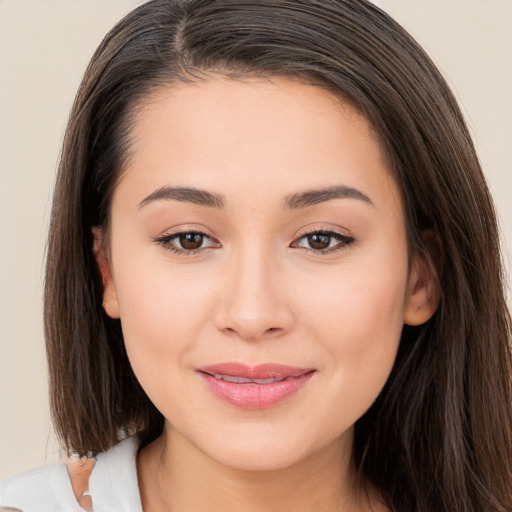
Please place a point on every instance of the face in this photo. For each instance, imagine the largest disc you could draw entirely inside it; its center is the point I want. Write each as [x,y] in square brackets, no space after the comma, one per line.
[258,262]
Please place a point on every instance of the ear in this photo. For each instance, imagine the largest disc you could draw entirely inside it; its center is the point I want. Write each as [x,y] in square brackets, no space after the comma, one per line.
[423,291]
[110,302]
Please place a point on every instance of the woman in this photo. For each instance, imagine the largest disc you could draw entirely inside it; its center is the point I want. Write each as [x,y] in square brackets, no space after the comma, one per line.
[273,276]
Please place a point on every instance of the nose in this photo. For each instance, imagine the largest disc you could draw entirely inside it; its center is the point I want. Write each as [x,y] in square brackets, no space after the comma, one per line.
[253,302]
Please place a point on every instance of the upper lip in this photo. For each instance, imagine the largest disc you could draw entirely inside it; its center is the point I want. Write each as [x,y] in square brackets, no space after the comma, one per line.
[260,371]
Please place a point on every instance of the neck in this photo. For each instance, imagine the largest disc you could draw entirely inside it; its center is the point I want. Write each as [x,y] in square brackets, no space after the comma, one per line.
[175,475]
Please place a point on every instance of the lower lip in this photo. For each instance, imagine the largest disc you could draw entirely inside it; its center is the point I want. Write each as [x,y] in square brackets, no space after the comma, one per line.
[256,396]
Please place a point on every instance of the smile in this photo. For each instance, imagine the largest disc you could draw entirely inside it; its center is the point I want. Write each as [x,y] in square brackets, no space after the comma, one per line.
[256,387]
[245,380]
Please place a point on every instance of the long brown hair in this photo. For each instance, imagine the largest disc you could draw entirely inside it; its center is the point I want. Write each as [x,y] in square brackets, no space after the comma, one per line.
[438,437]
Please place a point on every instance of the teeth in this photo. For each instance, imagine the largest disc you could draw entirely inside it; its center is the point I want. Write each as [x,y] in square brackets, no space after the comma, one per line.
[245,380]
[268,381]
[238,380]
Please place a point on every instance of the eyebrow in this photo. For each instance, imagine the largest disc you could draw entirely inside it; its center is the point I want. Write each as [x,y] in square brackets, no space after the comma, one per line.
[187,195]
[294,201]
[312,197]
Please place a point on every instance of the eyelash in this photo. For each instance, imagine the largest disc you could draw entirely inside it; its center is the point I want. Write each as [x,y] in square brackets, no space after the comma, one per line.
[343,241]
[166,242]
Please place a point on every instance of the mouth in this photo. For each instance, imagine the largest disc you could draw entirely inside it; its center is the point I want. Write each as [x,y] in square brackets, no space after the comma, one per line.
[254,387]
[245,380]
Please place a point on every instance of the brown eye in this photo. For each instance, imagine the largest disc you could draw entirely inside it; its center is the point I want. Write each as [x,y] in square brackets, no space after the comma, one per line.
[187,243]
[323,242]
[191,241]
[319,241]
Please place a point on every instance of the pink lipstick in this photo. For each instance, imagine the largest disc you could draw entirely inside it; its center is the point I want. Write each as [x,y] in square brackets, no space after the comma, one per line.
[254,387]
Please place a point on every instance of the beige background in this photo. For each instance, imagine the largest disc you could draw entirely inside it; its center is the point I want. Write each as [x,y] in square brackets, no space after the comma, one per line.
[44,48]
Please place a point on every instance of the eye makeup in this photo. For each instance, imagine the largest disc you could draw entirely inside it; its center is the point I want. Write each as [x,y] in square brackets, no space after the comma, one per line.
[194,242]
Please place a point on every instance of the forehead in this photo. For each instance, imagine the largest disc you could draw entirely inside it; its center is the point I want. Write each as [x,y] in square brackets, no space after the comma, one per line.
[259,105]
[236,137]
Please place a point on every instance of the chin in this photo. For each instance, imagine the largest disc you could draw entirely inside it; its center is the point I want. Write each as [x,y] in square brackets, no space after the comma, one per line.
[258,458]
[262,448]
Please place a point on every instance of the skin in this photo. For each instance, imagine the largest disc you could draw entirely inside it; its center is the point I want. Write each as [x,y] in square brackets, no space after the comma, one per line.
[257,292]
[79,473]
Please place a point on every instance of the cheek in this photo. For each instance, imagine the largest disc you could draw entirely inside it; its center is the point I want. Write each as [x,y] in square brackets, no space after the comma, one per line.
[358,320]
[162,314]
[362,298]
[363,314]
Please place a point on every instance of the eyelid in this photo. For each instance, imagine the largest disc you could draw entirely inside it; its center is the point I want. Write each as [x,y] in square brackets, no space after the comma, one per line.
[165,240]
[186,228]
[320,228]
[344,239]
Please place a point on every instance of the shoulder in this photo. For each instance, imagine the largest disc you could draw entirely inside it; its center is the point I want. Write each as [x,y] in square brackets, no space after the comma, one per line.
[112,484]
[40,490]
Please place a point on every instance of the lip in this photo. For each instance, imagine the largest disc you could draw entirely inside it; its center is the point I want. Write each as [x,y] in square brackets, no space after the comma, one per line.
[245,388]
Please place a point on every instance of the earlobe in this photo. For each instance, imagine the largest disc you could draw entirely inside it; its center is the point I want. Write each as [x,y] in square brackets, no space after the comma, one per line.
[110,302]
[423,292]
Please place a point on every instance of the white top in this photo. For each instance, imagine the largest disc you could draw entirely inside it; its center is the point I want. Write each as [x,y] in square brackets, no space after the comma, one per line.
[113,485]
